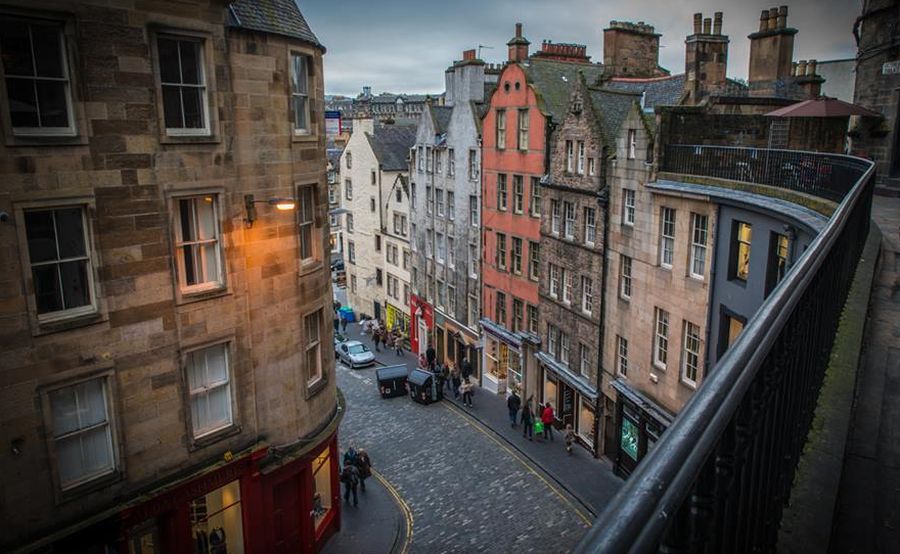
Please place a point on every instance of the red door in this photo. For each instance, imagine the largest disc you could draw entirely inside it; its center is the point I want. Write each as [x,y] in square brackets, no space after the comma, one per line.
[286,523]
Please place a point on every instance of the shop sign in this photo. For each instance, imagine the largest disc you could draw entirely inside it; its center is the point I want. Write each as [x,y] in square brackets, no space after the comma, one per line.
[629,439]
[891,68]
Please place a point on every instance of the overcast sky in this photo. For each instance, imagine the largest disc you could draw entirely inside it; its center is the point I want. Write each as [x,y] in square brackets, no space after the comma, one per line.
[405,45]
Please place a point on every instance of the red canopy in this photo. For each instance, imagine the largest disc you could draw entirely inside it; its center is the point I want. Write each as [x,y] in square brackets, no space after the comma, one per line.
[823,107]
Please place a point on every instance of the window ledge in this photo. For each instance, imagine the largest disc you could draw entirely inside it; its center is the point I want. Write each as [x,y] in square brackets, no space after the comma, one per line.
[307,268]
[80,491]
[317,386]
[214,437]
[46,140]
[189,139]
[305,137]
[49,327]
[200,296]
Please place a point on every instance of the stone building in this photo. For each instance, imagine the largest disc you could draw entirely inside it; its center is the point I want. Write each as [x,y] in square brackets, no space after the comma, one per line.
[571,275]
[631,50]
[446,171]
[877,85]
[167,374]
[372,167]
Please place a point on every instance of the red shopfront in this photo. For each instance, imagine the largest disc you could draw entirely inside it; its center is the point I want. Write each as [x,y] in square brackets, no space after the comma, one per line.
[421,324]
[245,506]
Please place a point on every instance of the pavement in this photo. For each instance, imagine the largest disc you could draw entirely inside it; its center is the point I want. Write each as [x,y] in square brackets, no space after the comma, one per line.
[867,516]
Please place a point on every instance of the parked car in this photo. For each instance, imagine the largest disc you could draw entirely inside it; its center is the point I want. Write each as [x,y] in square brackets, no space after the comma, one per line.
[337,265]
[355,354]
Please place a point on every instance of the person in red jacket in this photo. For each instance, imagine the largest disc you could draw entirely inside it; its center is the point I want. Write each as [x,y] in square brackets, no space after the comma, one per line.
[547,420]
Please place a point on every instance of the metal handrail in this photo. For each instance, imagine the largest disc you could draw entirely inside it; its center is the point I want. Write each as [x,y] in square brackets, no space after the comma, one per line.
[649,503]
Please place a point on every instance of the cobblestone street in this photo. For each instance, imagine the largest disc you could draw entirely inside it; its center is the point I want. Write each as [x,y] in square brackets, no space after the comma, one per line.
[467,490]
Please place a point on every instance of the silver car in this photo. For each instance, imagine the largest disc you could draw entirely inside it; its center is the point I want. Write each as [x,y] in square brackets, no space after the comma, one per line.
[354,354]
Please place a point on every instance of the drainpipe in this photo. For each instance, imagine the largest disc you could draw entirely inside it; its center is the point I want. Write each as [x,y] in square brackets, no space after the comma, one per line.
[604,207]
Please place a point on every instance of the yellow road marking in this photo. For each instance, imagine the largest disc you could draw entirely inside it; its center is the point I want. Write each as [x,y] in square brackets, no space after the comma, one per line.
[407,513]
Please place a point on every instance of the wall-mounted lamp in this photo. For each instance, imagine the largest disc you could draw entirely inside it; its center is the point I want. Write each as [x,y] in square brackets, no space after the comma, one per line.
[283,204]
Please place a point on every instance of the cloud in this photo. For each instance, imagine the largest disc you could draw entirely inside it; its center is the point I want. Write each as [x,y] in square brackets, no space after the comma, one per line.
[405,45]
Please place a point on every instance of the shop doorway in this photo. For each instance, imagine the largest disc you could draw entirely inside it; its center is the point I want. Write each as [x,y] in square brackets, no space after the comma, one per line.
[377,309]
[422,335]
[566,403]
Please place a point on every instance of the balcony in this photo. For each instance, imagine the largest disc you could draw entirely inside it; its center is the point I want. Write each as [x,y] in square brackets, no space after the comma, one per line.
[720,476]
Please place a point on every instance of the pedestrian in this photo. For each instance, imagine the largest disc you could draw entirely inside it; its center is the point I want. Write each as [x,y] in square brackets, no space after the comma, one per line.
[389,340]
[350,479]
[398,341]
[466,368]
[547,420]
[445,375]
[364,465]
[466,389]
[527,421]
[570,437]
[423,363]
[377,337]
[430,358]
[455,379]
[512,404]
[344,325]
[350,454]
[337,322]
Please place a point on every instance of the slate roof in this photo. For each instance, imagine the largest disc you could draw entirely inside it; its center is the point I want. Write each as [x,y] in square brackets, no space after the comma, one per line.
[553,79]
[391,144]
[441,117]
[611,109]
[280,17]
[660,91]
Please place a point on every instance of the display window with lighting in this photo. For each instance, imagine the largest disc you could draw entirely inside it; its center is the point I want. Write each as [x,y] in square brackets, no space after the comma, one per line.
[216,520]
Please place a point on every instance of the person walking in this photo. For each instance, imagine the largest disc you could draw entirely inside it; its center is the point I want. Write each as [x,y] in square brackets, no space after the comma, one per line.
[350,454]
[344,324]
[398,341]
[389,340]
[364,465]
[547,420]
[337,322]
[377,336]
[527,421]
[569,437]
[466,389]
[466,368]
[512,404]
[455,380]
[350,478]
[430,357]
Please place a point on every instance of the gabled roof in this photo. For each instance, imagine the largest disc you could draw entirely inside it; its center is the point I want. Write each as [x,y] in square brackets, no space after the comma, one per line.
[611,108]
[391,144]
[441,117]
[280,17]
[659,91]
[553,80]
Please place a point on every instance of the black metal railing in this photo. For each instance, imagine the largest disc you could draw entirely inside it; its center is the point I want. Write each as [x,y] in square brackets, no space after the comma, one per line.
[719,477]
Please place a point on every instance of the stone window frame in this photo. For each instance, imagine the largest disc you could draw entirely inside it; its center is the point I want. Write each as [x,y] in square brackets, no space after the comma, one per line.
[107,372]
[46,325]
[79,122]
[207,39]
[692,346]
[661,337]
[699,252]
[621,356]
[534,201]
[313,386]
[313,76]
[500,128]
[667,233]
[534,260]
[195,443]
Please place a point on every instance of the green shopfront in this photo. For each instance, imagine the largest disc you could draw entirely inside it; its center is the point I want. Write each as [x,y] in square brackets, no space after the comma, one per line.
[639,424]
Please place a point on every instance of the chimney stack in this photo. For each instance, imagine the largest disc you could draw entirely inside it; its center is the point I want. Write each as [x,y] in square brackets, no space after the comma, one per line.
[518,46]
[771,52]
[782,17]
[705,58]
[764,21]
[707,26]
[717,23]
[468,55]
[631,50]
[773,19]
[698,23]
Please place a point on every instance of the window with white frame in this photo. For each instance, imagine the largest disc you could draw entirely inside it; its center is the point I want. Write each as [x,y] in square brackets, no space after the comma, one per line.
[429,199]
[564,348]
[451,205]
[518,194]
[36,67]
[580,167]
[584,359]
[532,318]
[451,162]
[451,252]
[632,143]
[441,248]
[628,205]
[622,356]
[396,223]
[429,159]
[473,261]
[518,315]
[699,232]
[534,260]
[439,200]
[209,388]
[438,161]
[473,165]
[182,75]
[625,277]
[522,135]
[590,226]
[552,340]
[501,129]
[300,66]
[351,252]
[534,204]
[667,237]
[502,192]
[197,246]
[568,279]
[348,159]
[553,270]
[348,189]
[501,251]
[690,358]
[406,258]
[349,219]
[516,255]
[591,171]
[313,326]
[305,210]
[61,266]
[569,229]
[661,338]
[570,157]
[587,295]
[473,211]
[554,217]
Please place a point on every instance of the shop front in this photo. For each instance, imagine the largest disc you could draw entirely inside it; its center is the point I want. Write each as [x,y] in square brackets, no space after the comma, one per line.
[461,343]
[396,318]
[501,359]
[421,324]
[639,424]
[573,398]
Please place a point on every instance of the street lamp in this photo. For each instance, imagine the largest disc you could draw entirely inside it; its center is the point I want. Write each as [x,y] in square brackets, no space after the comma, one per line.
[282,204]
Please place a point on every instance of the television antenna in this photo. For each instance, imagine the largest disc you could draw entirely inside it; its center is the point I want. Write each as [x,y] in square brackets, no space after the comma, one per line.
[480,46]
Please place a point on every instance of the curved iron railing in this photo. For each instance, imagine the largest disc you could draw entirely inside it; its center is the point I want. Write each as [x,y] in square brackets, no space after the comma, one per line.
[718,478]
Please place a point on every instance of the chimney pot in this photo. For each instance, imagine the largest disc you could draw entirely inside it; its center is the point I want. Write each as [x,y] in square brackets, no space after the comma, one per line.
[707,26]
[698,22]
[469,54]
[782,17]
[801,68]
[518,30]
[811,67]
[717,23]
[764,20]
[773,19]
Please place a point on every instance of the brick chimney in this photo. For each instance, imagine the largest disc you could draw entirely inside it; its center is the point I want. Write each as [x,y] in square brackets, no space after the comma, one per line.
[464,80]
[705,58]
[518,46]
[469,55]
[771,52]
[562,51]
[631,50]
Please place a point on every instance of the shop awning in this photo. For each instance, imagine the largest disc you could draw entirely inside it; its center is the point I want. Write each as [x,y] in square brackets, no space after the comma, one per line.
[577,382]
[657,412]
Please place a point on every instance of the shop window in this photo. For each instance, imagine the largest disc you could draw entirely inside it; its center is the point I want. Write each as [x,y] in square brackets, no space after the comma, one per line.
[628,439]
[585,421]
[321,501]
[549,393]
[216,521]
[739,262]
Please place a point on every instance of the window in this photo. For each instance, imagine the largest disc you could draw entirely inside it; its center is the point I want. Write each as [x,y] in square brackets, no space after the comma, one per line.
[451,254]
[622,356]
[349,223]
[518,319]
[406,258]
[353,284]
[403,225]
[332,195]
[522,126]
[564,348]
[667,237]
[351,251]
[661,338]
[501,251]
[61,266]
[36,67]
[584,359]
[473,211]
[451,162]
[393,287]
[82,434]
[183,79]
[553,270]
[501,307]
[570,157]
[580,167]
[501,129]
[398,195]
[587,295]
[441,248]
[473,164]
[778,257]
[438,161]
[406,294]
[534,206]
[690,359]
[378,243]
[396,223]
[300,66]
[516,255]
[413,237]
[590,226]
[379,276]
[451,205]
[552,340]
[429,242]
[197,243]
[305,207]
[741,235]
[518,194]
[632,143]
[451,300]
[372,204]
[699,231]
[534,260]
[429,200]
[591,170]
[473,261]
[209,388]
[554,217]
[420,158]
[473,311]
[313,347]
[624,277]
[501,192]
[348,159]
[439,200]
[628,204]
[568,284]
[348,189]
[532,319]
[429,160]
[569,230]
